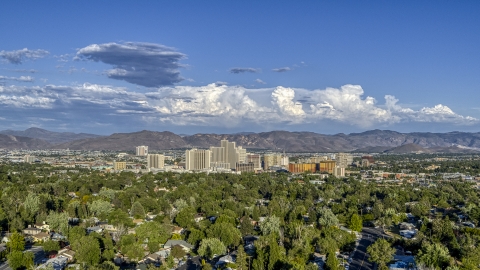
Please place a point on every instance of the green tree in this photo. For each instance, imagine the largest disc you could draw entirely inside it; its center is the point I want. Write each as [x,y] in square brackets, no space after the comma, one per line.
[195,236]
[58,221]
[184,218]
[381,252]
[271,225]
[274,253]
[51,246]
[178,252]
[211,246]
[76,233]
[100,208]
[88,251]
[332,262]
[434,255]
[15,259]
[355,223]
[137,210]
[32,205]
[241,262]
[226,232]
[327,217]
[153,233]
[16,242]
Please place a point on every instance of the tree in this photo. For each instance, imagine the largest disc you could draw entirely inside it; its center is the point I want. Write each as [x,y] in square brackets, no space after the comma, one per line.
[434,255]
[89,251]
[195,236]
[226,232]
[184,218]
[381,252]
[274,253]
[137,210]
[51,246]
[15,259]
[32,205]
[271,225]
[58,221]
[332,261]
[241,262]
[76,233]
[356,223]
[16,242]
[100,208]
[153,233]
[211,246]
[178,252]
[327,217]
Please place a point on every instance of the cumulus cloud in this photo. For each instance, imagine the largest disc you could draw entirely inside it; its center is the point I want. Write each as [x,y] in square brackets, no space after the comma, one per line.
[18,79]
[221,105]
[239,70]
[283,69]
[260,81]
[19,56]
[145,64]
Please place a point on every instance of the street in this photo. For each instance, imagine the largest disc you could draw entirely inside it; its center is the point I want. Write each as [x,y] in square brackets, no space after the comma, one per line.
[360,257]
[37,252]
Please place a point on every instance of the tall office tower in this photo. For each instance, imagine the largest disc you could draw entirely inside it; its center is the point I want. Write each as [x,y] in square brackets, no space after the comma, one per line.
[28,159]
[218,154]
[142,150]
[344,160]
[241,155]
[255,159]
[197,159]
[156,161]
[284,161]
[270,160]
[230,152]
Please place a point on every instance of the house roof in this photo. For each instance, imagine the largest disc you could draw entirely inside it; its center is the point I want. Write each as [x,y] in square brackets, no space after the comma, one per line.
[171,243]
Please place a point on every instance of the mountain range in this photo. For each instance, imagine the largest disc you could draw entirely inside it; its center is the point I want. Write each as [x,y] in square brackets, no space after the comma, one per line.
[369,141]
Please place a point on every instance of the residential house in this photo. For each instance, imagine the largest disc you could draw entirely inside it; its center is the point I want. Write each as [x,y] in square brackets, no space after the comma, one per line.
[225,260]
[58,237]
[57,263]
[177,230]
[67,253]
[31,230]
[406,226]
[185,246]
[42,226]
[199,217]
[96,229]
[41,237]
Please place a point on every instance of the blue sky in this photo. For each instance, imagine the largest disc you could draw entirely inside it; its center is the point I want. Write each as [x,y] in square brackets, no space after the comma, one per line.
[230,66]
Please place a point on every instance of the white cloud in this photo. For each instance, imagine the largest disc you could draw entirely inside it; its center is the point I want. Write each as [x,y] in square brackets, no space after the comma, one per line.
[19,56]
[260,81]
[18,79]
[282,69]
[222,105]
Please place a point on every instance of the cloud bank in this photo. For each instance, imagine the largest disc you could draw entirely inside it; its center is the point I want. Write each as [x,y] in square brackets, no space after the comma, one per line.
[145,64]
[219,105]
[19,56]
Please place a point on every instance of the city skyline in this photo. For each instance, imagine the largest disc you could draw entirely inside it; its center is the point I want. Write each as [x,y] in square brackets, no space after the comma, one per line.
[220,67]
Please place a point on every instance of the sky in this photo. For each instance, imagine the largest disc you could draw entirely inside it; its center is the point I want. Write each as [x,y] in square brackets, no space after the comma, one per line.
[190,67]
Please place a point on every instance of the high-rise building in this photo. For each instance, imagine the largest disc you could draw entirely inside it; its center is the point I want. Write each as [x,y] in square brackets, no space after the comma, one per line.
[142,150]
[255,159]
[270,160]
[339,171]
[230,152]
[344,160]
[328,166]
[156,161]
[197,159]
[28,159]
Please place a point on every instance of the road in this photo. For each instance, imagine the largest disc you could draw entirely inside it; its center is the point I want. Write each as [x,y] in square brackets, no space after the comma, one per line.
[37,252]
[360,257]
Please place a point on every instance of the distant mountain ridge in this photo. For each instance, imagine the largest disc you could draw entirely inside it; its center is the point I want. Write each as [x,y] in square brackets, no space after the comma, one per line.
[49,136]
[368,141]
